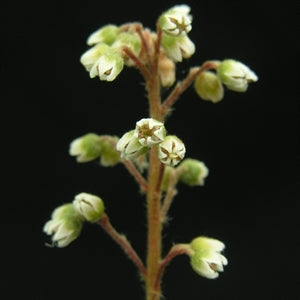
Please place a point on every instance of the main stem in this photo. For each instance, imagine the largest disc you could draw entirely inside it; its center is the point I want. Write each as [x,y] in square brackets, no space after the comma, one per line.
[153,291]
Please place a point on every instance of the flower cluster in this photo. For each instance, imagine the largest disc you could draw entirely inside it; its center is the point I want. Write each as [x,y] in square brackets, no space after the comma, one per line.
[233,74]
[147,133]
[106,58]
[66,220]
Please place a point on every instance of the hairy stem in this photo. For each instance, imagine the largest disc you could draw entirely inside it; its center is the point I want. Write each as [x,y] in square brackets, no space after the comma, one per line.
[136,174]
[183,85]
[175,251]
[123,243]
[154,226]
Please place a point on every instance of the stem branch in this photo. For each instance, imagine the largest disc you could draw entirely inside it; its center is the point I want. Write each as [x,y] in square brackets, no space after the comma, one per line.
[123,243]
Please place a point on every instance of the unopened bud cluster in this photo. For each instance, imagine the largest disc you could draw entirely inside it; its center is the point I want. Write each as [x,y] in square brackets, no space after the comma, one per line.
[233,74]
[67,220]
[148,133]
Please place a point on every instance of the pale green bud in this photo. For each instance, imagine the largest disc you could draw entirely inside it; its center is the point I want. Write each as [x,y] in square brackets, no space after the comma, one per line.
[108,66]
[193,172]
[235,75]
[149,132]
[207,259]
[106,35]
[166,70]
[130,147]
[209,87]
[130,40]
[89,207]
[86,147]
[109,154]
[178,48]
[91,56]
[65,225]
[176,21]
[171,151]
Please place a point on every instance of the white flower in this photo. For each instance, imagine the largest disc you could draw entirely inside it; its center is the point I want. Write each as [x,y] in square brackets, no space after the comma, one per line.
[129,146]
[86,148]
[108,66]
[171,151]
[91,56]
[65,225]
[149,132]
[177,21]
[193,172]
[178,48]
[235,75]
[207,259]
[90,207]
[209,87]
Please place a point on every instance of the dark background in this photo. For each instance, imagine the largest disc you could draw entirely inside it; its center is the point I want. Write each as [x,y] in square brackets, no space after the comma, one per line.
[249,141]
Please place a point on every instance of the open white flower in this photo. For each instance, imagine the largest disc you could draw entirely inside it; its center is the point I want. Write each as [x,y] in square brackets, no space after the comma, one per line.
[178,48]
[171,151]
[129,146]
[177,21]
[90,207]
[207,259]
[149,132]
[235,75]
[65,225]
[108,66]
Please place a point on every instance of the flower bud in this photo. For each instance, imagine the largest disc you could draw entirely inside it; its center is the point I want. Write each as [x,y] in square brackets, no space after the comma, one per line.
[91,56]
[171,151]
[149,132]
[235,75]
[108,66]
[209,87]
[130,147]
[88,206]
[109,154]
[86,148]
[130,40]
[65,225]
[166,69]
[206,260]
[106,34]
[192,172]
[176,21]
[178,48]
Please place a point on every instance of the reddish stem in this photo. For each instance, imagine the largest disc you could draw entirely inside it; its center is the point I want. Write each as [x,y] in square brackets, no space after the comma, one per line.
[183,85]
[136,174]
[123,243]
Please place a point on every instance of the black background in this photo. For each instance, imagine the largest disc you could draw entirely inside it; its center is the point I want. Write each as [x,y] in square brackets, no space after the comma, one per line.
[249,141]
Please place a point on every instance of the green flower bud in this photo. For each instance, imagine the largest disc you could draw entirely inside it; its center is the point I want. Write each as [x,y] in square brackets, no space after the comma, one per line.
[171,151]
[130,147]
[192,172]
[86,148]
[235,75]
[176,21]
[106,35]
[130,40]
[206,259]
[209,87]
[109,154]
[65,225]
[89,207]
